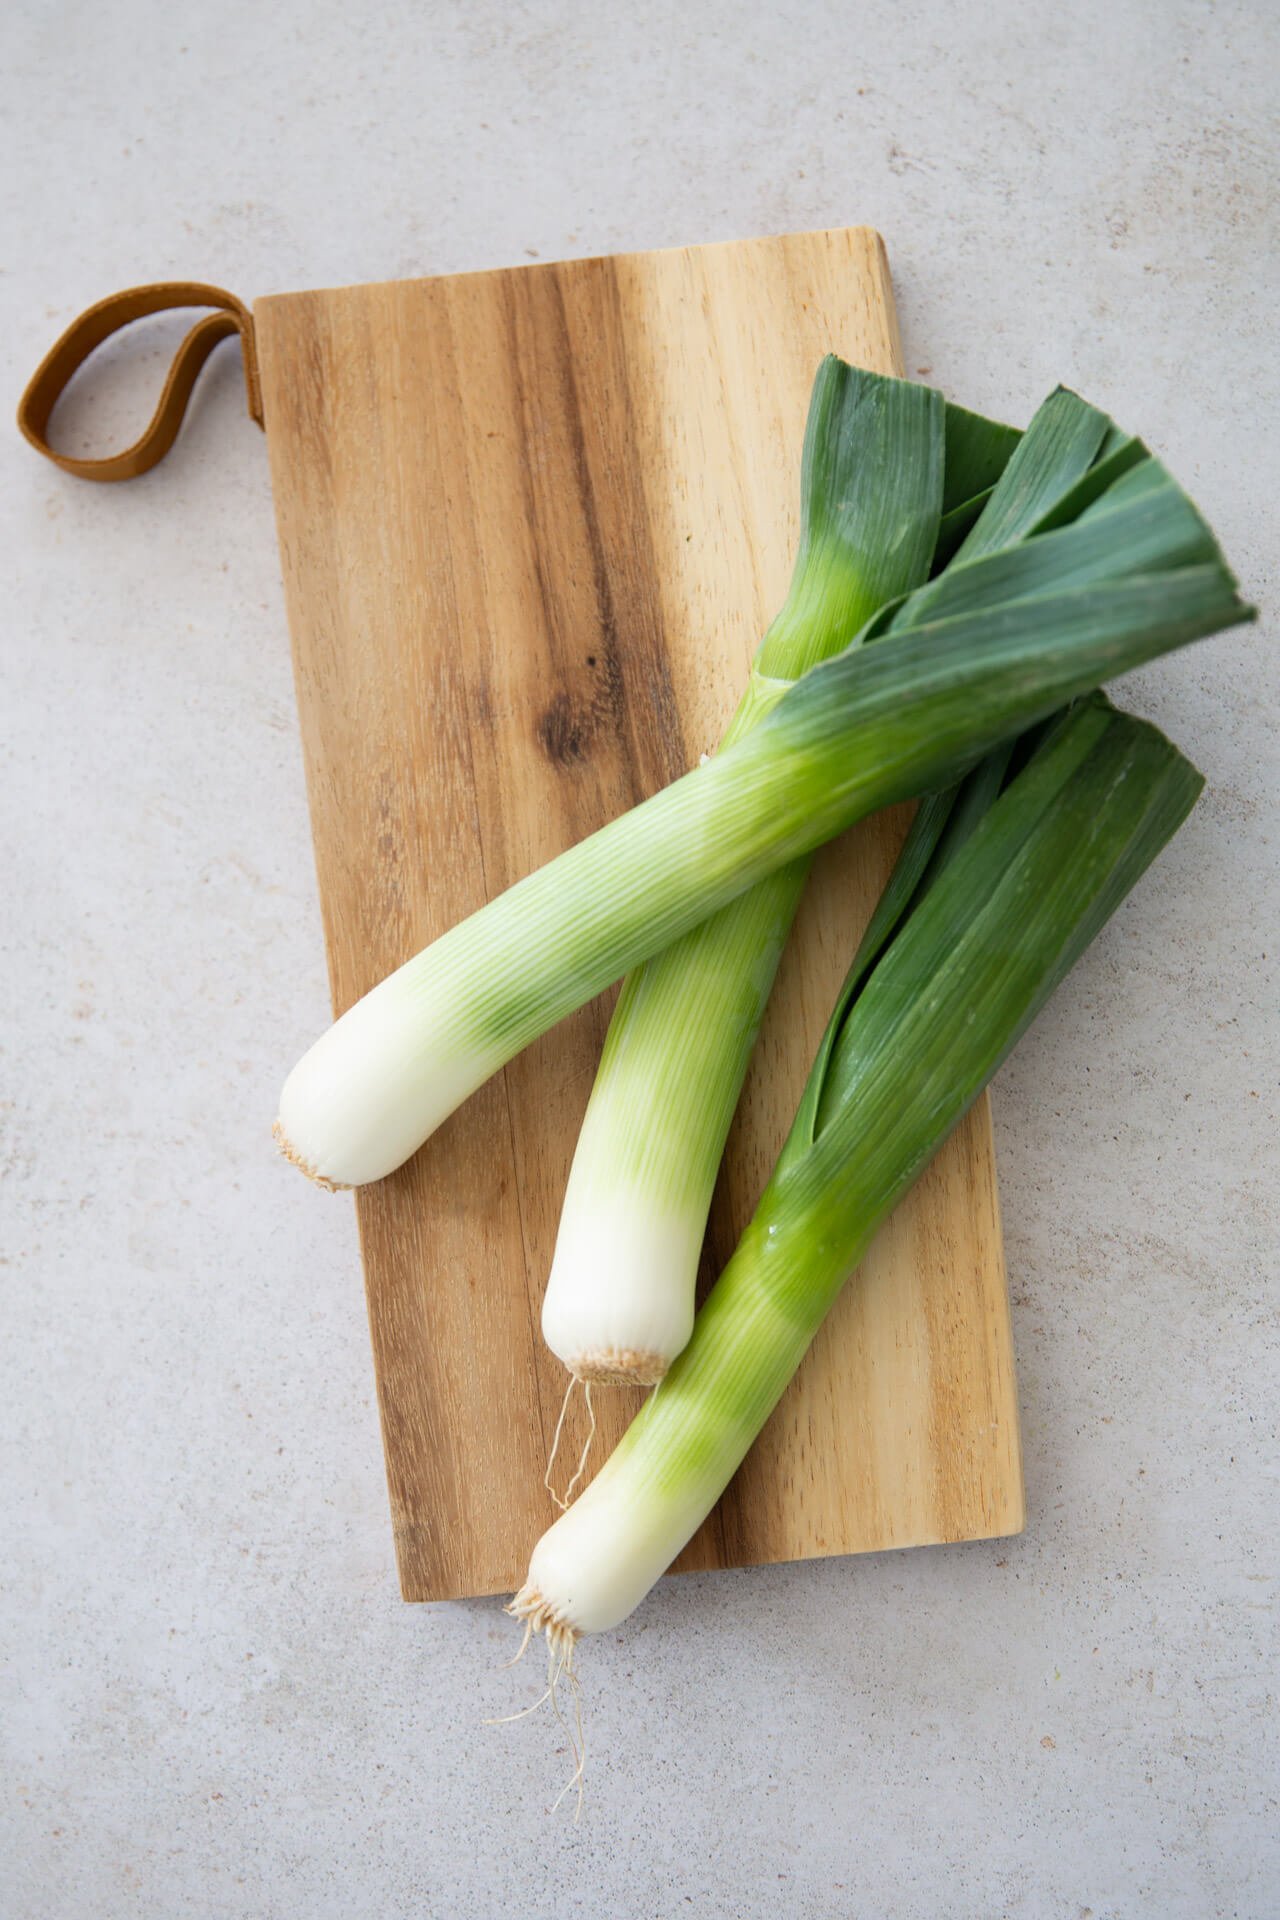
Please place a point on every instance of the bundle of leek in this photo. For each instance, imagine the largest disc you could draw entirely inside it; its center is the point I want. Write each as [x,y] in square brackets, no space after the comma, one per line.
[1008,637]
[1000,886]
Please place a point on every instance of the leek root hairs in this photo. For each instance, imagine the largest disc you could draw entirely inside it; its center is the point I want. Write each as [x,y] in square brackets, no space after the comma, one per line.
[529,1606]
[562,1638]
[562,1500]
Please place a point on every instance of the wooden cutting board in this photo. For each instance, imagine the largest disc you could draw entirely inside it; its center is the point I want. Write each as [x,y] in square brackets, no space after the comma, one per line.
[533,523]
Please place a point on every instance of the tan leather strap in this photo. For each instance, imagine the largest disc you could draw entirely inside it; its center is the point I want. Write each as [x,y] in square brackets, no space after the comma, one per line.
[68,354]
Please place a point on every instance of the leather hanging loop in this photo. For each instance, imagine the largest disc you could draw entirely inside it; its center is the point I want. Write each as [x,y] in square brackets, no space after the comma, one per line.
[86,334]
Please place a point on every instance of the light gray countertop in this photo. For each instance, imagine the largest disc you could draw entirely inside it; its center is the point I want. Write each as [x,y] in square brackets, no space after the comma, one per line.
[215,1703]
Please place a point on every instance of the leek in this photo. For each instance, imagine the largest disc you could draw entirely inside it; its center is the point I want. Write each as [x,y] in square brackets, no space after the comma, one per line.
[992,901]
[875,724]
[620,1297]
[878,458]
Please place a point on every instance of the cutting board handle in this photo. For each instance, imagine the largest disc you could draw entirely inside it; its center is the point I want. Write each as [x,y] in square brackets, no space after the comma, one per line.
[68,354]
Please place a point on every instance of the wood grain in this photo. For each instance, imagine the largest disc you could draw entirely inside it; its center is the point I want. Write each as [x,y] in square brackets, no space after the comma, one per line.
[532,524]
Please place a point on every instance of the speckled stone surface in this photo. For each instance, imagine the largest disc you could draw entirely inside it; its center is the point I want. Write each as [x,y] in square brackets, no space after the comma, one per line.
[214,1702]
